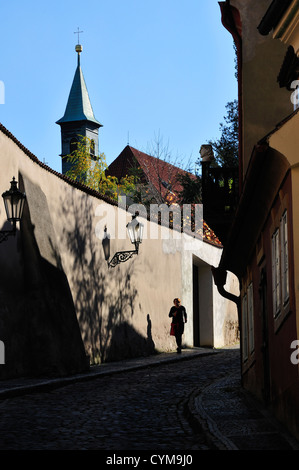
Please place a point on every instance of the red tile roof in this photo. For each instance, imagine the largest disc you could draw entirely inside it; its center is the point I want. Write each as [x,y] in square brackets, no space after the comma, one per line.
[156,171]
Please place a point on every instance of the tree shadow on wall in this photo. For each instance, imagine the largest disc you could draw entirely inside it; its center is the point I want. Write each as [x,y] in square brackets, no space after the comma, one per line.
[43,331]
[104,298]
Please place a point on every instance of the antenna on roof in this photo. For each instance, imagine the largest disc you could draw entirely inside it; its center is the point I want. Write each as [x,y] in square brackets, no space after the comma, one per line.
[128,138]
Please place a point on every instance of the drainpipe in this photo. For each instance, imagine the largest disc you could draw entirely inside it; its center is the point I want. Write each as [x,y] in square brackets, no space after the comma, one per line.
[219,275]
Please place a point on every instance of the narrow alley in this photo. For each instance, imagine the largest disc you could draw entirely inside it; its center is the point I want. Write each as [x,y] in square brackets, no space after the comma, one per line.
[161,406]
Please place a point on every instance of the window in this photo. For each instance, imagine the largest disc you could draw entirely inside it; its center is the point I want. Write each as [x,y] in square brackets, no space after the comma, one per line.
[248,323]
[284,258]
[250,318]
[276,273]
[92,148]
[244,329]
[280,266]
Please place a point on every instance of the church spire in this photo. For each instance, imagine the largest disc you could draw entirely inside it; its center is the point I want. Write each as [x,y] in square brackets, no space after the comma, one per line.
[78,119]
[78,106]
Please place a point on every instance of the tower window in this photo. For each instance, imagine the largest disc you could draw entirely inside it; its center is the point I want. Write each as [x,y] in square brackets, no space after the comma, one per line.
[92,148]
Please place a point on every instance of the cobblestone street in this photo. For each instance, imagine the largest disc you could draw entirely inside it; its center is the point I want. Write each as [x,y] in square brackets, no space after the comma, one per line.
[143,410]
[162,403]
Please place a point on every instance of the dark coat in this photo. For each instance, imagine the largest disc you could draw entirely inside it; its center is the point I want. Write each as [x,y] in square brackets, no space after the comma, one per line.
[180,318]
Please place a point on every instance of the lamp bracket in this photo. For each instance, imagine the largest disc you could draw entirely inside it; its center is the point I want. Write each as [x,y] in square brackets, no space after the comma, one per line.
[121,257]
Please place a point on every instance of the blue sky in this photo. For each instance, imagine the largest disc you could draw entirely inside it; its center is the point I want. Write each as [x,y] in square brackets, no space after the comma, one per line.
[152,67]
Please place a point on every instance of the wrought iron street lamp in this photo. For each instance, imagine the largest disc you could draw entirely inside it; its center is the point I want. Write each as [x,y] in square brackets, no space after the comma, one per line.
[135,231]
[14,201]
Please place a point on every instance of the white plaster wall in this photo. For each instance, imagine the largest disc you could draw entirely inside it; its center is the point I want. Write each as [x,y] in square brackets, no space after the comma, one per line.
[137,295]
[225,311]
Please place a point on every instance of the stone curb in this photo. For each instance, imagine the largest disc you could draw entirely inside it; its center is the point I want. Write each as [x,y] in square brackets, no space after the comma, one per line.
[203,414]
[198,412]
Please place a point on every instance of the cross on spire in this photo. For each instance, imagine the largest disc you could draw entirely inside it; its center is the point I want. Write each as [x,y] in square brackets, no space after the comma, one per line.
[78,32]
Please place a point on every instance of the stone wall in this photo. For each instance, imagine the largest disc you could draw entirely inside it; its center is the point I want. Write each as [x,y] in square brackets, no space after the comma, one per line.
[59,300]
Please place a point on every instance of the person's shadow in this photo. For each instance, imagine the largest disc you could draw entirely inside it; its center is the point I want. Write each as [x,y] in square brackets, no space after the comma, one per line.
[150,342]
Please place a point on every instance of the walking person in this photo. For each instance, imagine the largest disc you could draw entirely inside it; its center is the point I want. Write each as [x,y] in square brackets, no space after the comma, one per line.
[179,317]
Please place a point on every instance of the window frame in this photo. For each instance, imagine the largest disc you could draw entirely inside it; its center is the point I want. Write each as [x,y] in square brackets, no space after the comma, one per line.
[285,288]
[250,315]
[280,266]
[248,343]
[276,281]
[244,328]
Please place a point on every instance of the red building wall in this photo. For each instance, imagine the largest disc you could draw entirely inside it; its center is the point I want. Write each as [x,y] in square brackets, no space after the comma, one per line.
[269,372]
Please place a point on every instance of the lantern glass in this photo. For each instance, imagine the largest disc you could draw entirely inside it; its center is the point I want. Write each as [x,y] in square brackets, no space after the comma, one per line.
[106,245]
[135,231]
[14,201]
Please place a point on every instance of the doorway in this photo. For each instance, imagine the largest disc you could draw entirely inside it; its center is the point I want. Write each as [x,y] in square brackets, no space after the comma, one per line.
[196,335]
[203,321]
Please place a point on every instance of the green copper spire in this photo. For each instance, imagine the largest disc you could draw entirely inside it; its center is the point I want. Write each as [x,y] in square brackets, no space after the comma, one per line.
[78,107]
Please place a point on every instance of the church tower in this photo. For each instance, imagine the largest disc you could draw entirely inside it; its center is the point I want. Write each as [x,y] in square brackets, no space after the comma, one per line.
[78,119]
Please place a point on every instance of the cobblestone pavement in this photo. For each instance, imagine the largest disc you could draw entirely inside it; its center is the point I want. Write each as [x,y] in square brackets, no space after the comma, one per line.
[144,409]
[185,405]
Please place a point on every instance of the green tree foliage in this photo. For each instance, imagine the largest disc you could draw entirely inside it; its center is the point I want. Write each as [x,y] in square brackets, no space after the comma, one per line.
[226,151]
[226,148]
[91,171]
[191,188]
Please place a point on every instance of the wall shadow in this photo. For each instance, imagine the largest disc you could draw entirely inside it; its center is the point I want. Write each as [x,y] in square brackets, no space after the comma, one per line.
[54,340]
[38,320]
[104,298]
[126,343]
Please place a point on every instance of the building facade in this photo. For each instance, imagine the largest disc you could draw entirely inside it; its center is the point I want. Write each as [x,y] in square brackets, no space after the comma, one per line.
[262,247]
